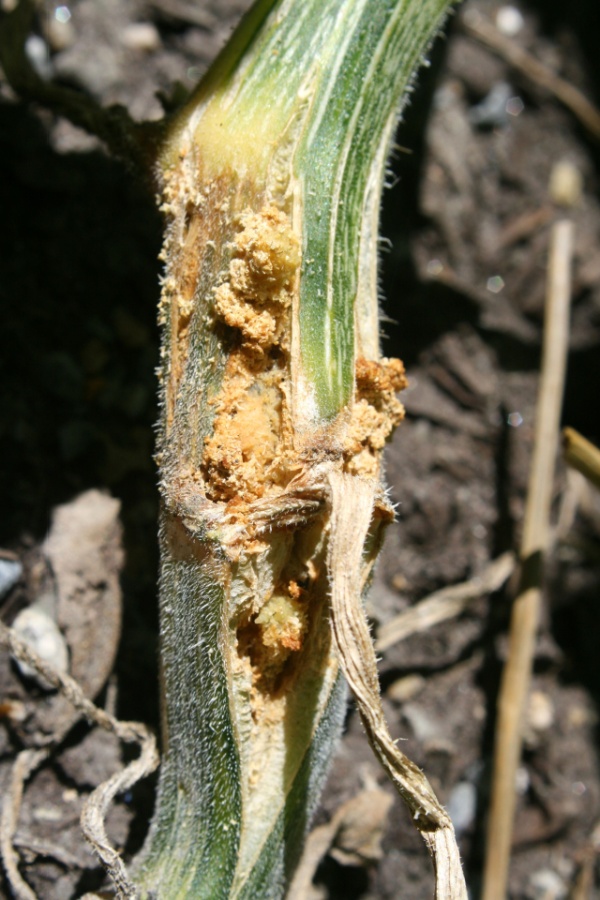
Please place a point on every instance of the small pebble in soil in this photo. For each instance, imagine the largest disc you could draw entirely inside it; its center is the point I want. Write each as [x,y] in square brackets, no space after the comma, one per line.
[566,184]
[514,419]
[580,717]
[141,36]
[59,30]
[435,267]
[509,20]
[522,781]
[62,14]
[42,634]
[491,112]
[546,885]
[514,106]
[540,714]
[462,805]
[400,582]
[405,688]
[540,718]
[38,54]
[10,572]
[495,284]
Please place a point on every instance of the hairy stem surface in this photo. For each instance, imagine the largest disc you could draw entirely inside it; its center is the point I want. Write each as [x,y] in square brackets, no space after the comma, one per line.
[273,389]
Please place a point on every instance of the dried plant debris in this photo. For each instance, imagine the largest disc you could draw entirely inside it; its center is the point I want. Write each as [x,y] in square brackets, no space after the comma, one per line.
[352,837]
[76,578]
[74,617]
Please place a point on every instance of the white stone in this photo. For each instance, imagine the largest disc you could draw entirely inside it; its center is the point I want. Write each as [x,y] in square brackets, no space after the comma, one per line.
[42,634]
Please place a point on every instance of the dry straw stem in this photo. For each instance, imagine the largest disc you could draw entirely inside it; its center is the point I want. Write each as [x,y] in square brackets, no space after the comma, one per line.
[96,806]
[583,884]
[582,455]
[445,603]
[352,505]
[526,609]
[539,74]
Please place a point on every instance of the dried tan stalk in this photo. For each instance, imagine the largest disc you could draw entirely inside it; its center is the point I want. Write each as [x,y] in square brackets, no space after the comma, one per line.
[526,609]
[582,455]
[353,505]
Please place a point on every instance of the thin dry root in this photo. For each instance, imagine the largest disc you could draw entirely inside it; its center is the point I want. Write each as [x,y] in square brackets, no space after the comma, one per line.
[25,764]
[446,603]
[96,806]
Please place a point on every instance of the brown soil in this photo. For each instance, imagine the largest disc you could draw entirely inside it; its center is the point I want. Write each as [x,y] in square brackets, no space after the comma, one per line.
[468,219]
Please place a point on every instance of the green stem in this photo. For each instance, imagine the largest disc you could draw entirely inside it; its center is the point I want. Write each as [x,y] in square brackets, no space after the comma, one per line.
[270,180]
